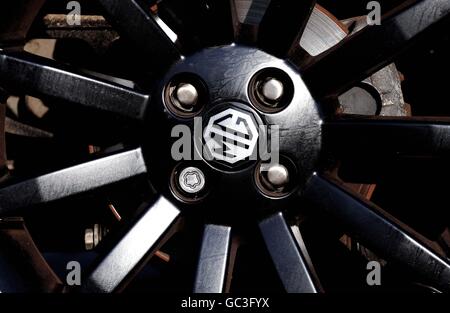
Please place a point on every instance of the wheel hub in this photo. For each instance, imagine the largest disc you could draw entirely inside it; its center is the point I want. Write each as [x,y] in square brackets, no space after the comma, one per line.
[250,109]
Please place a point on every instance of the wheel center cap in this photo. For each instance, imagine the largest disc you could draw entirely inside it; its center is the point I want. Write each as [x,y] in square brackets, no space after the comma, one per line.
[231,135]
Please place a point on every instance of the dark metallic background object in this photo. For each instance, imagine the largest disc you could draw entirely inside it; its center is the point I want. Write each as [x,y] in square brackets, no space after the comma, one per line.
[373,47]
[23,269]
[15,24]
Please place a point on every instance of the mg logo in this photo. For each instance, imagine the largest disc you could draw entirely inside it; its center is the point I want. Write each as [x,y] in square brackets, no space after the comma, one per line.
[228,136]
[231,136]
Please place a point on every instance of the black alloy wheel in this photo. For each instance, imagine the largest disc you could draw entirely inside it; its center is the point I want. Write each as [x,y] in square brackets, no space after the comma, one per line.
[214,70]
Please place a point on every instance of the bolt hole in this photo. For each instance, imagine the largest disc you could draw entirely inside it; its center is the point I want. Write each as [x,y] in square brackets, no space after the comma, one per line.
[362,99]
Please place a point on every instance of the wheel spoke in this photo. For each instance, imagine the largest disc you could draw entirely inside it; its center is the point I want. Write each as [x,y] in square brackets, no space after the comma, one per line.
[290,259]
[247,16]
[283,24]
[388,136]
[20,129]
[379,231]
[37,76]
[138,243]
[198,23]
[138,25]
[71,181]
[213,264]
[362,54]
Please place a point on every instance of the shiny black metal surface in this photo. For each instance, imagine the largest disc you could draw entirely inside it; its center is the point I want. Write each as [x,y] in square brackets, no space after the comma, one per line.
[21,71]
[226,72]
[214,259]
[71,181]
[388,136]
[137,24]
[380,231]
[136,245]
[291,262]
[198,23]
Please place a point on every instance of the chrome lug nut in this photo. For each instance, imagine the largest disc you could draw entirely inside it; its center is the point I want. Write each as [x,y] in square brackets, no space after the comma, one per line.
[187,95]
[272,89]
[93,236]
[191,180]
[278,175]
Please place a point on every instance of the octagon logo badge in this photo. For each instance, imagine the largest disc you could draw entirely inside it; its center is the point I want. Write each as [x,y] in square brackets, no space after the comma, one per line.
[231,136]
